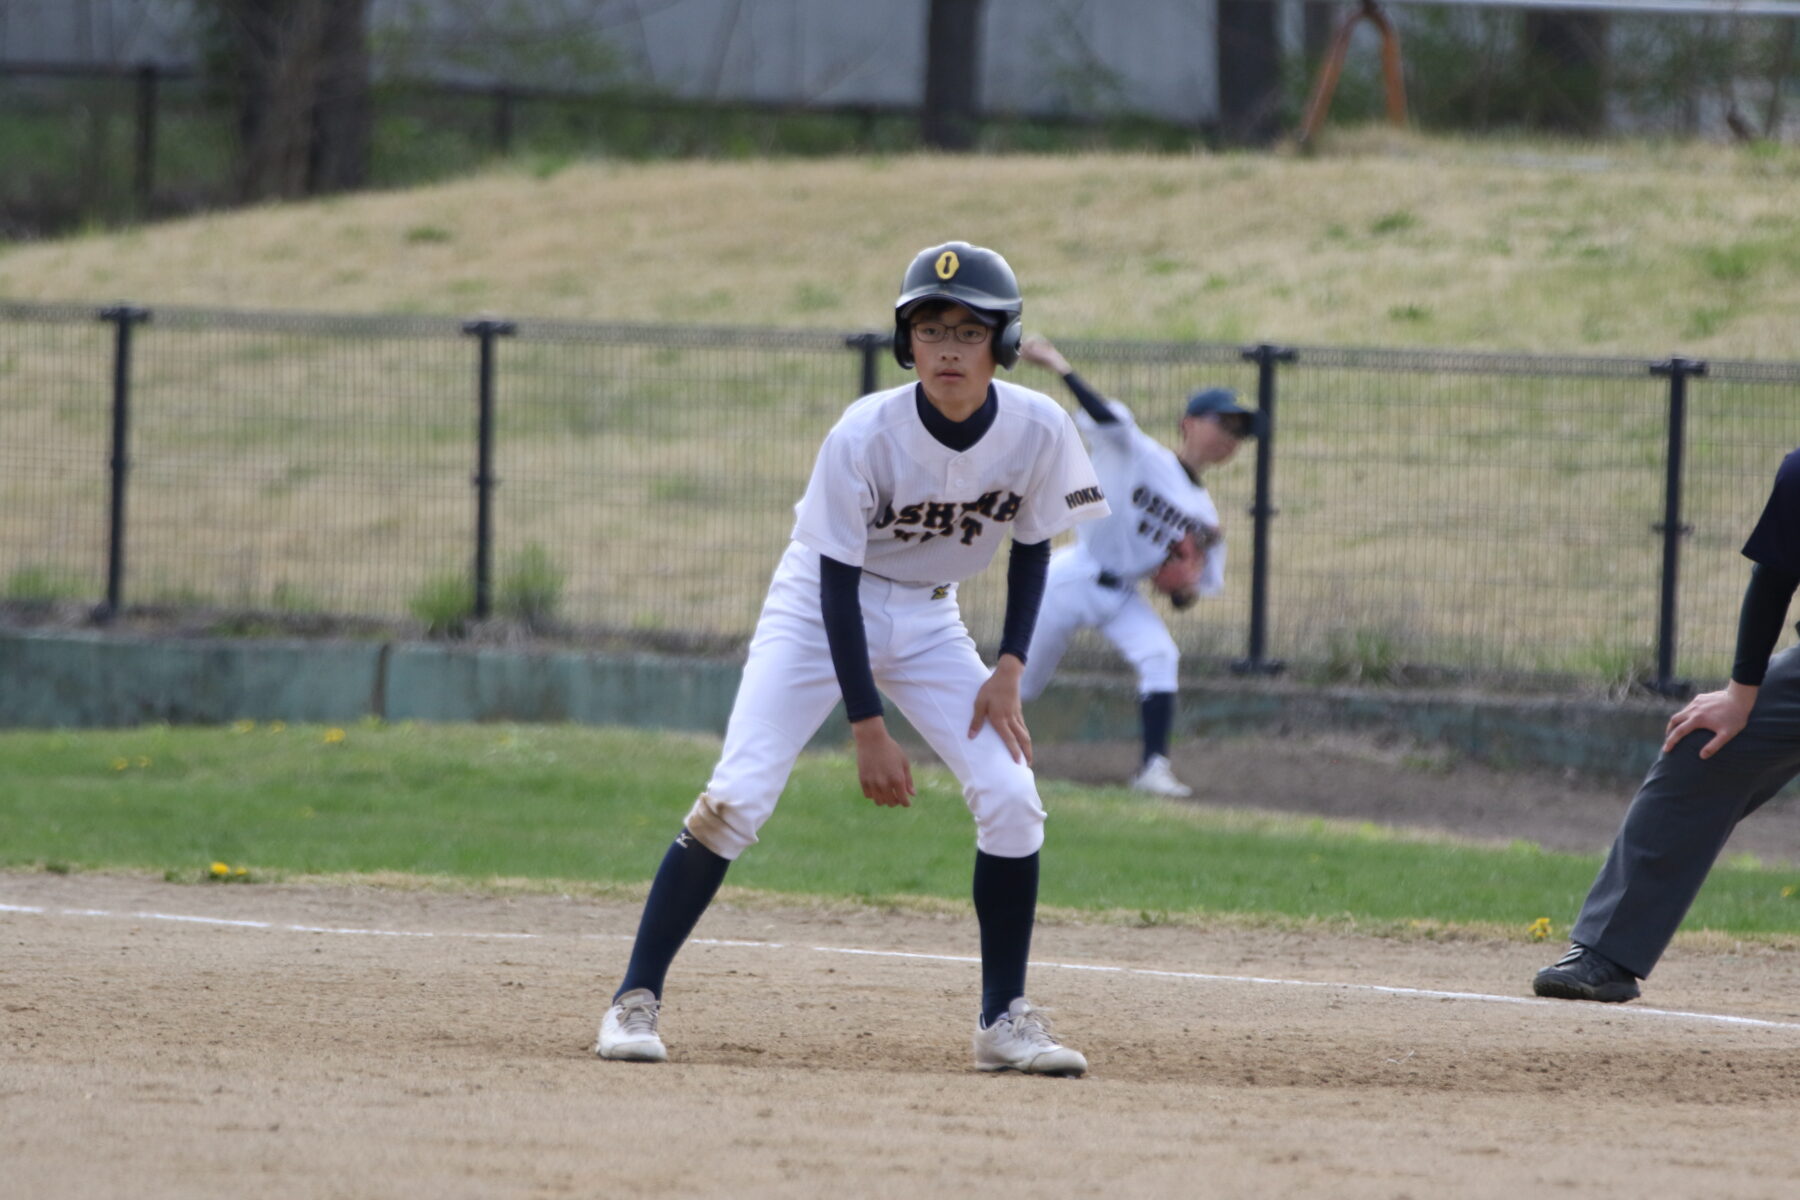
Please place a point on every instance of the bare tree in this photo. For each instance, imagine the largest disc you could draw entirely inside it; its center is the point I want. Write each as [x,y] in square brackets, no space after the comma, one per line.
[1566,69]
[298,73]
[952,74]
[1249,71]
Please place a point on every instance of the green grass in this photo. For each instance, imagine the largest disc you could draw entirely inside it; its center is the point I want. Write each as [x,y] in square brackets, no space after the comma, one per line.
[577,805]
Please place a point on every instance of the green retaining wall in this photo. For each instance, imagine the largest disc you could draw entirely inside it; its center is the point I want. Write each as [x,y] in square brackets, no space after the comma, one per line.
[100,680]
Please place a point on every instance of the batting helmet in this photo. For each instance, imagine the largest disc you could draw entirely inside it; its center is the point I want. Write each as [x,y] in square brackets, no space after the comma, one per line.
[972,276]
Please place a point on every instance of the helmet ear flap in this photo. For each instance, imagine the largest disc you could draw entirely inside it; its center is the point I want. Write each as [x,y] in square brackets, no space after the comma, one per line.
[1006,341]
[903,344]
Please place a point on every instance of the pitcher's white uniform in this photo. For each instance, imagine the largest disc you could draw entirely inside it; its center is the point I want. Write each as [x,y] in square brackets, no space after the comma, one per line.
[1094,583]
[918,518]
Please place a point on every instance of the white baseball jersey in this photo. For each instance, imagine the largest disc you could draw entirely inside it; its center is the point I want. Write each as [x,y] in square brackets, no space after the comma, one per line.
[1155,503]
[888,497]
[917,517]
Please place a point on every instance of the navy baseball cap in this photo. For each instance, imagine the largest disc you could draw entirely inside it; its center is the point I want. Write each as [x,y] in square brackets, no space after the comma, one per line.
[1223,403]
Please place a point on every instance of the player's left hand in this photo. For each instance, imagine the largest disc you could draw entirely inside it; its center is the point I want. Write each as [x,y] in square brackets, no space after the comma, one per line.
[998,704]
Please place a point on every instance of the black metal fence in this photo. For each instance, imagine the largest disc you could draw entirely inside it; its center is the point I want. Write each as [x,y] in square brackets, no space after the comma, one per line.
[1412,516]
[102,142]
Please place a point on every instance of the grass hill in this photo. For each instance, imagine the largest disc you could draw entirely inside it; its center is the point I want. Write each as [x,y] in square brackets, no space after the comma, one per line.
[1382,239]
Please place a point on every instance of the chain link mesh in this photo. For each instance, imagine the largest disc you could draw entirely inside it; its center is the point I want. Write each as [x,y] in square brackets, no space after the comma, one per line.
[1439,515]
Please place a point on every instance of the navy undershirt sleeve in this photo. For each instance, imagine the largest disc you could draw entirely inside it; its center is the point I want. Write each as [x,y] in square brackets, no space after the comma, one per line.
[1765,609]
[1092,401]
[1026,568]
[1775,542]
[840,603]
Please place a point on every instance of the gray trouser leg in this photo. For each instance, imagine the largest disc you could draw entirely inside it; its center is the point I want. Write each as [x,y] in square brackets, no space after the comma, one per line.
[1679,822]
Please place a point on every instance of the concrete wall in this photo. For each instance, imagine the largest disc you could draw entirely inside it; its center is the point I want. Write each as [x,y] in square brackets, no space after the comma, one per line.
[1073,56]
[95,680]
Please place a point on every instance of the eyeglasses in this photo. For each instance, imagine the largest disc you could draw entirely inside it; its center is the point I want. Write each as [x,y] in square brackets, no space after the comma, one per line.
[936,331]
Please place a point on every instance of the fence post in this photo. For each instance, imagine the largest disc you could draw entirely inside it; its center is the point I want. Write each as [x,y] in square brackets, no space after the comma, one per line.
[503,119]
[1262,510]
[143,178]
[1678,370]
[870,345]
[487,331]
[123,317]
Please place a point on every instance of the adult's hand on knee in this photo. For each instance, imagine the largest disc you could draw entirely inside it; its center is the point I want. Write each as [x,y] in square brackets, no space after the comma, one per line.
[881,765]
[1724,712]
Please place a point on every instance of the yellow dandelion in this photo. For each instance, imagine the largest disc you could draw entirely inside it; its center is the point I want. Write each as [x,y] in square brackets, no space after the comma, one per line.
[277,726]
[220,870]
[142,761]
[1540,928]
[121,764]
[1787,893]
[242,726]
[241,873]
[333,736]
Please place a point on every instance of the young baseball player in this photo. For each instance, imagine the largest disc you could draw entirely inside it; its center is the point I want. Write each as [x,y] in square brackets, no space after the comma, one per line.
[912,492]
[1164,526]
[1724,755]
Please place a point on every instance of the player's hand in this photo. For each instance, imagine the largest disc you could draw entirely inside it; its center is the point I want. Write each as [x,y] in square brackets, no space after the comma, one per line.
[998,704]
[1037,349]
[1724,713]
[881,765]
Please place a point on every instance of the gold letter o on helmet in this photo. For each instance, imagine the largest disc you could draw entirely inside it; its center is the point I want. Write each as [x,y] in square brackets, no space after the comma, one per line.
[947,263]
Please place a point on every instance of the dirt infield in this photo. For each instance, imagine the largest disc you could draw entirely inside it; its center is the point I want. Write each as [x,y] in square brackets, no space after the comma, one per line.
[148,1056]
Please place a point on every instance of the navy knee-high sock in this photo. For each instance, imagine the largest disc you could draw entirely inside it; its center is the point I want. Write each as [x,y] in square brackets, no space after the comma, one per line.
[685,884]
[1005,906]
[1159,713]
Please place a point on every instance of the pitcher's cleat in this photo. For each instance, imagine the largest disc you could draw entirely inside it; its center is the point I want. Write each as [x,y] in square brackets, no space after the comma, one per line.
[1158,778]
[1021,1041]
[628,1033]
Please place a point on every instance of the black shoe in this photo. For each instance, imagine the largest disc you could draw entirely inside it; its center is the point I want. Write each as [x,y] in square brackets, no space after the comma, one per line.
[1582,974]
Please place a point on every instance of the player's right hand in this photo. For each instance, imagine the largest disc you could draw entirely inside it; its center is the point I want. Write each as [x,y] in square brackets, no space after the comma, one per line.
[881,765]
[1725,713]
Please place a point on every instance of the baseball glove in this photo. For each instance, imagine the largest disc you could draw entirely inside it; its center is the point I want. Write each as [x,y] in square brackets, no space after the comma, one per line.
[1180,572]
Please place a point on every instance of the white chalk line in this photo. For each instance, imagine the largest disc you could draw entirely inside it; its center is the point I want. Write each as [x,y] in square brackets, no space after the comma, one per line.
[1198,976]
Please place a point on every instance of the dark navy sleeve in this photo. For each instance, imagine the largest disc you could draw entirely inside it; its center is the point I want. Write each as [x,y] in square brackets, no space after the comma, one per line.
[1092,401]
[1026,569]
[1775,542]
[840,603]
[1765,609]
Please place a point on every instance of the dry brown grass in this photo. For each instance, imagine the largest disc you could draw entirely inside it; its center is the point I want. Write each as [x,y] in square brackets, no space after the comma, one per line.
[1384,239]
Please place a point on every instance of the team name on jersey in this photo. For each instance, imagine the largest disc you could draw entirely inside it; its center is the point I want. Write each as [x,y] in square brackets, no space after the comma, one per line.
[1162,522]
[1081,496]
[929,519]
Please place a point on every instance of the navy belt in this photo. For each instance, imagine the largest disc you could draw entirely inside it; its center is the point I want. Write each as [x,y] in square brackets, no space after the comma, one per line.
[1107,579]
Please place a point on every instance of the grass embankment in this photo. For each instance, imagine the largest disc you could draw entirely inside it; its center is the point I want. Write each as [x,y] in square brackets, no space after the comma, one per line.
[1381,239]
[592,809]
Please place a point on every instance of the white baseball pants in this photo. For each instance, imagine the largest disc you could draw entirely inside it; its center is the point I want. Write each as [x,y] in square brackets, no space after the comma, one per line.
[1074,599]
[923,660]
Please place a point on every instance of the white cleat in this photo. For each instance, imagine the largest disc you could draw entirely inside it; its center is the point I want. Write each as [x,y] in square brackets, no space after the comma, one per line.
[628,1032]
[1021,1041]
[1159,780]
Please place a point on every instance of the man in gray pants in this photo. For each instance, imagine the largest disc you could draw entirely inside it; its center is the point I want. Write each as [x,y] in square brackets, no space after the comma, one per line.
[1725,754]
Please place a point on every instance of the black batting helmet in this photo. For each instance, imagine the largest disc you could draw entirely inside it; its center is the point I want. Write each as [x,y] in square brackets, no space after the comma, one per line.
[972,276]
